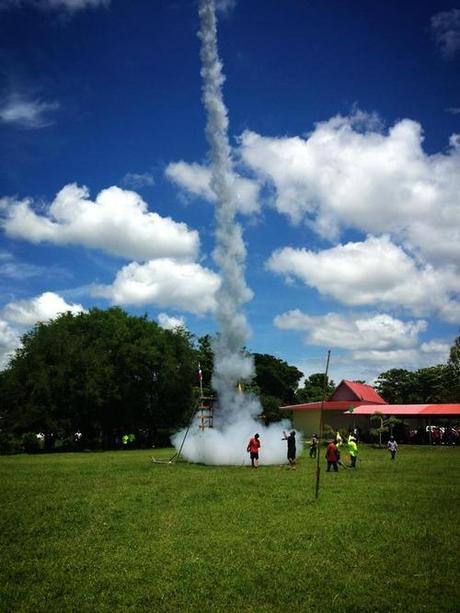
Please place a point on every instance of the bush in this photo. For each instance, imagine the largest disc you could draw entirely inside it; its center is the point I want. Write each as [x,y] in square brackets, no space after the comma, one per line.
[9,444]
[30,442]
[328,433]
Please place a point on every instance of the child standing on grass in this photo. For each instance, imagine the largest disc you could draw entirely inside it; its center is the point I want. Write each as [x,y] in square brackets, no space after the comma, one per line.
[313,446]
[253,450]
[392,447]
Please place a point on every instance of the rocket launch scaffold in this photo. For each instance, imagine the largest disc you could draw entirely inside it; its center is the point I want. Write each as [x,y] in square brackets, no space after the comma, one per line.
[205,412]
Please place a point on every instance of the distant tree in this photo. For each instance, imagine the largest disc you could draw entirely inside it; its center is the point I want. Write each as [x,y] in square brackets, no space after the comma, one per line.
[384,425]
[276,382]
[397,386]
[453,366]
[313,389]
[434,384]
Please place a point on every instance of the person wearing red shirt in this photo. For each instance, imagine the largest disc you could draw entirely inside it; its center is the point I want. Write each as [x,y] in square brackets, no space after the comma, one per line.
[332,455]
[253,450]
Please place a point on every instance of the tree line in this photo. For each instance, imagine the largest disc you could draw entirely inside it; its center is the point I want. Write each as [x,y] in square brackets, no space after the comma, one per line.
[104,379]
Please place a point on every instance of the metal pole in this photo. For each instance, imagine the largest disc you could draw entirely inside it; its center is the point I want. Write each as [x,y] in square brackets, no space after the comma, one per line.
[320,435]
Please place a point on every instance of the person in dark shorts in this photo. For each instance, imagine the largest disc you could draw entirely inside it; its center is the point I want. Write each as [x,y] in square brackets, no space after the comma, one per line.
[253,450]
[392,447]
[291,448]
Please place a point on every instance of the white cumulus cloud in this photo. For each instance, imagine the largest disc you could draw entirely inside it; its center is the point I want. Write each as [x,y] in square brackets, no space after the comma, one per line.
[41,308]
[364,344]
[166,283]
[371,272]
[196,180]
[353,332]
[427,354]
[118,222]
[348,174]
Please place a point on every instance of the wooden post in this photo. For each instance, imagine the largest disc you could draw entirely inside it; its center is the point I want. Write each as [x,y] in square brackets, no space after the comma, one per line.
[320,434]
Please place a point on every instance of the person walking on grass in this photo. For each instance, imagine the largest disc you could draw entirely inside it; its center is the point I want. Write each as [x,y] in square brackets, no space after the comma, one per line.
[313,446]
[291,448]
[253,450]
[392,446]
[352,450]
[332,456]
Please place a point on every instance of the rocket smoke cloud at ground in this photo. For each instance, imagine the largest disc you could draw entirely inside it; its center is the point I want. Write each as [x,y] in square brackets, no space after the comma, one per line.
[236,416]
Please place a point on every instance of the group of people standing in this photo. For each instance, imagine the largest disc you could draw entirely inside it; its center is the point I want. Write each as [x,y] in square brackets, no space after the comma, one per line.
[333,450]
[254,446]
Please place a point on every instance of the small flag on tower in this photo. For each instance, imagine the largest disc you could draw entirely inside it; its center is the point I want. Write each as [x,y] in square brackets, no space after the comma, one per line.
[200,374]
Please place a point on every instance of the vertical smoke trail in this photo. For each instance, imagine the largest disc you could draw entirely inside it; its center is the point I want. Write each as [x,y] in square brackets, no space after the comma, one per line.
[230,364]
[226,444]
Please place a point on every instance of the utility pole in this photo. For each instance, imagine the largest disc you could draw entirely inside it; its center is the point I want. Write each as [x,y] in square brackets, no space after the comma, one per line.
[320,437]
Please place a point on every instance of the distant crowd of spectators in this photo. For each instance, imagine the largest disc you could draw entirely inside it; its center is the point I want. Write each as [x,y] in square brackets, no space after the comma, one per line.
[440,435]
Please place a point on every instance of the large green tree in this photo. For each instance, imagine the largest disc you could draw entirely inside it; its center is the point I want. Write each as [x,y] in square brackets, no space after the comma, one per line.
[102,373]
[397,386]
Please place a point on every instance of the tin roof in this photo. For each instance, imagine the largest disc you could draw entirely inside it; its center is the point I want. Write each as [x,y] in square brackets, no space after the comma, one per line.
[409,409]
[329,405]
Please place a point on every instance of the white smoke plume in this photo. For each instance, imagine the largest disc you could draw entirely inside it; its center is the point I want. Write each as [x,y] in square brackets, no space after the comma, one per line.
[236,418]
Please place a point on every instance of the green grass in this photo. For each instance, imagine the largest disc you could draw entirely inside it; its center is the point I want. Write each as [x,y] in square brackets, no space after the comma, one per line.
[113,531]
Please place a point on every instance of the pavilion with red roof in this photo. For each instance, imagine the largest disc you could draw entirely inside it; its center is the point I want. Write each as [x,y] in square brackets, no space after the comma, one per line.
[352,404]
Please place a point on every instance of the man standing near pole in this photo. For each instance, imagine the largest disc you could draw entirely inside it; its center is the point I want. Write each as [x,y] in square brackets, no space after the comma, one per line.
[291,448]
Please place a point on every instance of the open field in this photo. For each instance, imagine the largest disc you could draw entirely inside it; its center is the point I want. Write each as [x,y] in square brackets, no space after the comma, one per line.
[113,531]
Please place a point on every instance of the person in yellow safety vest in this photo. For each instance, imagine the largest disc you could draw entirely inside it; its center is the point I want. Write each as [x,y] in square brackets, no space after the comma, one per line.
[352,450]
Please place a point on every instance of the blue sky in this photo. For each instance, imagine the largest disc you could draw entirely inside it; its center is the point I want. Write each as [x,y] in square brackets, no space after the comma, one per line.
[344,122]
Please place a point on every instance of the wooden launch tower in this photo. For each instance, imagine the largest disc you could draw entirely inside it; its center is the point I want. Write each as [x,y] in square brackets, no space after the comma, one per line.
[205,412]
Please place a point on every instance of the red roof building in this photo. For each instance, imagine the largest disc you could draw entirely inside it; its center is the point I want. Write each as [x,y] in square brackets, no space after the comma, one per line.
[349,390]
[347,394]
[352,404]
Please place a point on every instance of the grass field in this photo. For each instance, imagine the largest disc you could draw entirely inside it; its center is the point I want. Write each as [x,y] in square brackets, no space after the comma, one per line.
[113,531]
